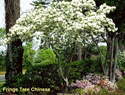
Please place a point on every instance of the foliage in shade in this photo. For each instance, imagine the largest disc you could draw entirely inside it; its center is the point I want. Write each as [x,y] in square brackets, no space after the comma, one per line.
[2,33]
[2,62]
[36,3]
[2,56]
[48,75]
[121,84]
[43,76]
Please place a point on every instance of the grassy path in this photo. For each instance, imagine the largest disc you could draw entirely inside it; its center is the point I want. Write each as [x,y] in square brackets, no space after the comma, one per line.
[3,72]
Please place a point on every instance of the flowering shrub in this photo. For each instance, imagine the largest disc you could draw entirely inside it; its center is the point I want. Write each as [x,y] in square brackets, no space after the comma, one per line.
[63,22]
[92,83]
[85,84]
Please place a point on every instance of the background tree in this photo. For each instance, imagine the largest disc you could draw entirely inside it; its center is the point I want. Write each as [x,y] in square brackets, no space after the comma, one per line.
[28,55]
[2,53]
[119,20]
[14,49]
[45,56]
[2,62]
[2,33]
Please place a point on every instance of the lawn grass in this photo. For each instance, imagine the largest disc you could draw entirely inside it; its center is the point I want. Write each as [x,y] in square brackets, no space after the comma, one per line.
[2,81]
[3,72]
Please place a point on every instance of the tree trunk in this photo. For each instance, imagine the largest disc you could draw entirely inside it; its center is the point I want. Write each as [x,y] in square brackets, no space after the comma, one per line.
[111,60]
[8,61]
[105,65]
[66,77]
[115,62]
[12,13]
[79,52]
[17,56]
[108,54]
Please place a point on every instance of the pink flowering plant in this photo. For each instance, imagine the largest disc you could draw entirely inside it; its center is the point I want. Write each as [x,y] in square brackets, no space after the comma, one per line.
[92,83]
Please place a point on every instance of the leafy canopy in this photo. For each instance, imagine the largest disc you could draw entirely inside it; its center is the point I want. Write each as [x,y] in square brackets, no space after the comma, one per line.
[63,23]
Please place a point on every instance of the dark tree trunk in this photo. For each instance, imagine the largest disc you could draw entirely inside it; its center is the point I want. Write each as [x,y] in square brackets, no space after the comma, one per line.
[12,13]
[108,55]
[111,59]
[115,60]
[17,56]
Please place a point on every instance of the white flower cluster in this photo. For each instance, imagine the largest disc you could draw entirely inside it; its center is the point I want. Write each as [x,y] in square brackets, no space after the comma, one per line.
[64,22]
[105,9]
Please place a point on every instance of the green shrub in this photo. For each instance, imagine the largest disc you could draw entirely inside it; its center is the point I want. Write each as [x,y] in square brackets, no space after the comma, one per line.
[101,92]
[48,75]
[18,81]
[105,92]
[42,76]
[82,68]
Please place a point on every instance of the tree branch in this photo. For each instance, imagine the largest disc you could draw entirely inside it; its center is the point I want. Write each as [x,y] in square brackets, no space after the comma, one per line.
[71,59]
[60,67]
[104,38]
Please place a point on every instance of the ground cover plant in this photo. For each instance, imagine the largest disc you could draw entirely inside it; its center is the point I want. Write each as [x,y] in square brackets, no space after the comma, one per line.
[121,84]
